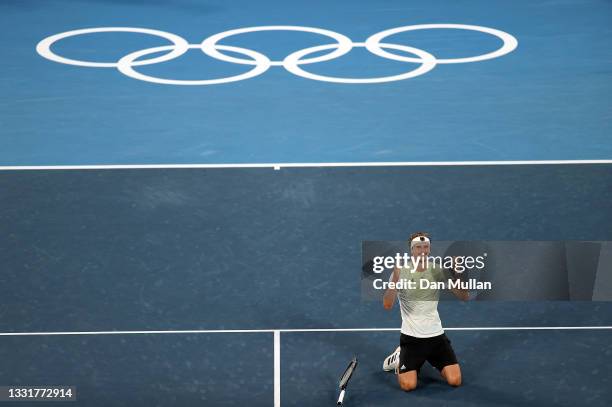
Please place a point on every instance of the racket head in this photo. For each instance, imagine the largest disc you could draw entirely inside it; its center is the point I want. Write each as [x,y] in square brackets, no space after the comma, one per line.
[348,373]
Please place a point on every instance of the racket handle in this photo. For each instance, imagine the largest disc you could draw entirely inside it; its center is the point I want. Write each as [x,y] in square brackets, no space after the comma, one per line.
[341,398]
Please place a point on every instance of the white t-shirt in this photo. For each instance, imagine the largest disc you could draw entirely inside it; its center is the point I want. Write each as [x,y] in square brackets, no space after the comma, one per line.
[419,306]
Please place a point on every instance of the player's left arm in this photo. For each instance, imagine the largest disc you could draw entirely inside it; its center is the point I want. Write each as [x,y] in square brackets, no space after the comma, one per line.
[463,295]
[451,274]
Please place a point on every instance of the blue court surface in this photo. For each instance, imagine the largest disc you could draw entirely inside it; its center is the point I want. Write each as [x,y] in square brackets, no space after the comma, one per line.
[185,186]
[548,99]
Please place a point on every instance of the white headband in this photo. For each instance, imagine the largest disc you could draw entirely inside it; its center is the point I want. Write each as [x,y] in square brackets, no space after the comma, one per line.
[419,239]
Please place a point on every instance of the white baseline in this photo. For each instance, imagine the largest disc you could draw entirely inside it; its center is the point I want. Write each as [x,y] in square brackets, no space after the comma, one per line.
[277,166]
[298,330]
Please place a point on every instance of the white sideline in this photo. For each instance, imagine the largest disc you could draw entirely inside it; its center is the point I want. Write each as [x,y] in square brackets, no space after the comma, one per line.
[233,331]
[277,375]
[278,166]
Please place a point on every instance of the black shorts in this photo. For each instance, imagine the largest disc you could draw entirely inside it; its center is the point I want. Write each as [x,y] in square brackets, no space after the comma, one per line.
[436,350]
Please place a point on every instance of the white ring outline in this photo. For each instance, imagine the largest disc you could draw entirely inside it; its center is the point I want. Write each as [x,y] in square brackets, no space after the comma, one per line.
[126,64]
[427,61]
[209,45]
[510,42]
[262,63]
[44,47]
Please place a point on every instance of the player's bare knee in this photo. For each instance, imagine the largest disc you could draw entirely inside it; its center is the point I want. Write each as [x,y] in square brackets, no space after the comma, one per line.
[454,380]
[407,384]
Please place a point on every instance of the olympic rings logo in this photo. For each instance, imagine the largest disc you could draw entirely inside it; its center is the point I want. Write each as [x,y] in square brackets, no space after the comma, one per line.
[293,62]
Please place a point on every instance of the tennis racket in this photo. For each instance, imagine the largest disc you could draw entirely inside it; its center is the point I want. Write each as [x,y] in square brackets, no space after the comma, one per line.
[344,379]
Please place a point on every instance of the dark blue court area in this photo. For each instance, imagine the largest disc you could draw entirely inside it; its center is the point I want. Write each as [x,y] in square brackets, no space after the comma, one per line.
[185,187]
[202,249]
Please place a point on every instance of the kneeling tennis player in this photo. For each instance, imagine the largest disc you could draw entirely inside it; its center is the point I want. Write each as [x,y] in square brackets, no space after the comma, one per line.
[422,337]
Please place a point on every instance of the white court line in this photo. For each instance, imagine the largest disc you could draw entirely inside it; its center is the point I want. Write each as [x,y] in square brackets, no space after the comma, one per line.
[278,166]
[277,375]
[233,331]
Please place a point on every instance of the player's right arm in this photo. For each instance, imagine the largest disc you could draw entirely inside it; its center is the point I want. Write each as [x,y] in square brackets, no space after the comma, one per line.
[391,293]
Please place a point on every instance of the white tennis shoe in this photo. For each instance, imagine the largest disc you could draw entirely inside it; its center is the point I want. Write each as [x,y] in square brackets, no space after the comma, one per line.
[391,362]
